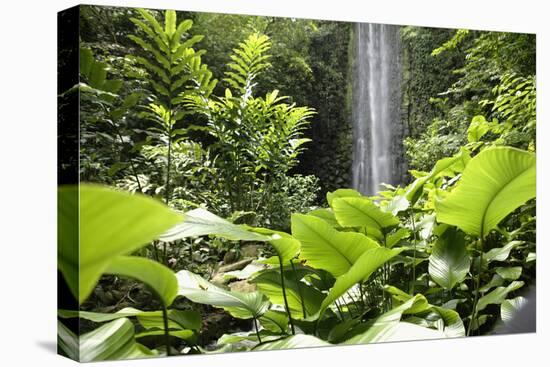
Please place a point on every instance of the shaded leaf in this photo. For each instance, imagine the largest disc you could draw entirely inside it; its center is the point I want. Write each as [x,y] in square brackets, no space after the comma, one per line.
[275,321]
[498,295]
[449,261]
[269,283]
[511,273]
[500,253]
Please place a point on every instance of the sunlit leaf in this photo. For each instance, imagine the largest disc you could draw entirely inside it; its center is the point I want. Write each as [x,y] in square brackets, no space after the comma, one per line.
[293,342]
[106,224]
[200,222]
[362,212]
[361,270]
[112,341]
[494,183]
[325,248]
[240,305]
[160,278]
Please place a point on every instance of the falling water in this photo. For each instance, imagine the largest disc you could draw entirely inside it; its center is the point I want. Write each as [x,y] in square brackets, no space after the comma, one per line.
[376,107]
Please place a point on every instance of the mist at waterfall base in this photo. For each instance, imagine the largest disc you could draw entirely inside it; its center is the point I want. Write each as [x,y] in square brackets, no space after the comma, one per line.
[376,109]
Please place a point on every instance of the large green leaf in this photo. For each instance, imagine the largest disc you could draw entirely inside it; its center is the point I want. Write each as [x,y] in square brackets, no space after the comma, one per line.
[169,22]
[240,305]
[111,223]
[325,248]
[247,340]
[160,278]
[387,327]
[510,307]
[501,253]
[341,193]
[177,319]
[275,321]
[449,261]
[478,127]
[494,183]
[326,214]
[293,342]
[362,212]
[453,325]
[399,297]
[67,341]
[286,246]
[497,295]
[112,341]
[393,239]
[86,59]
[362,269]
[200,222]
[269,283]
[184,334]
[510,273]
[98,316]
[399,331]
[444,167]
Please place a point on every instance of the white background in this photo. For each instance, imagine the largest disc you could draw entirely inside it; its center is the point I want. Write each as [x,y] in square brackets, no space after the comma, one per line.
[28,181]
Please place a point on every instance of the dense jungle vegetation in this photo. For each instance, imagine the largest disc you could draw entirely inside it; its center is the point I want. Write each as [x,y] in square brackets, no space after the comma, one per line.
[215,209]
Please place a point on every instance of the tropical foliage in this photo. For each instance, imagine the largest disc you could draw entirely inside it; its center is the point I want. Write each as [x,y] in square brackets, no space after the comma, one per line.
[196,228]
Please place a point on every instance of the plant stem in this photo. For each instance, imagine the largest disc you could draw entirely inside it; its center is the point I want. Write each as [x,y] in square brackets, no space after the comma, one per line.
[299,288]
[155,251]
[284,296]
[414,252]
[169,159]
[339,308]
[256,327]
[386,276]
[166,332]
[354,303]
[478,281]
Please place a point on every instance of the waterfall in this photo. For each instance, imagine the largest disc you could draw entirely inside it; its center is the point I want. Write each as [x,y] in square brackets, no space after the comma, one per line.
[376,111]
